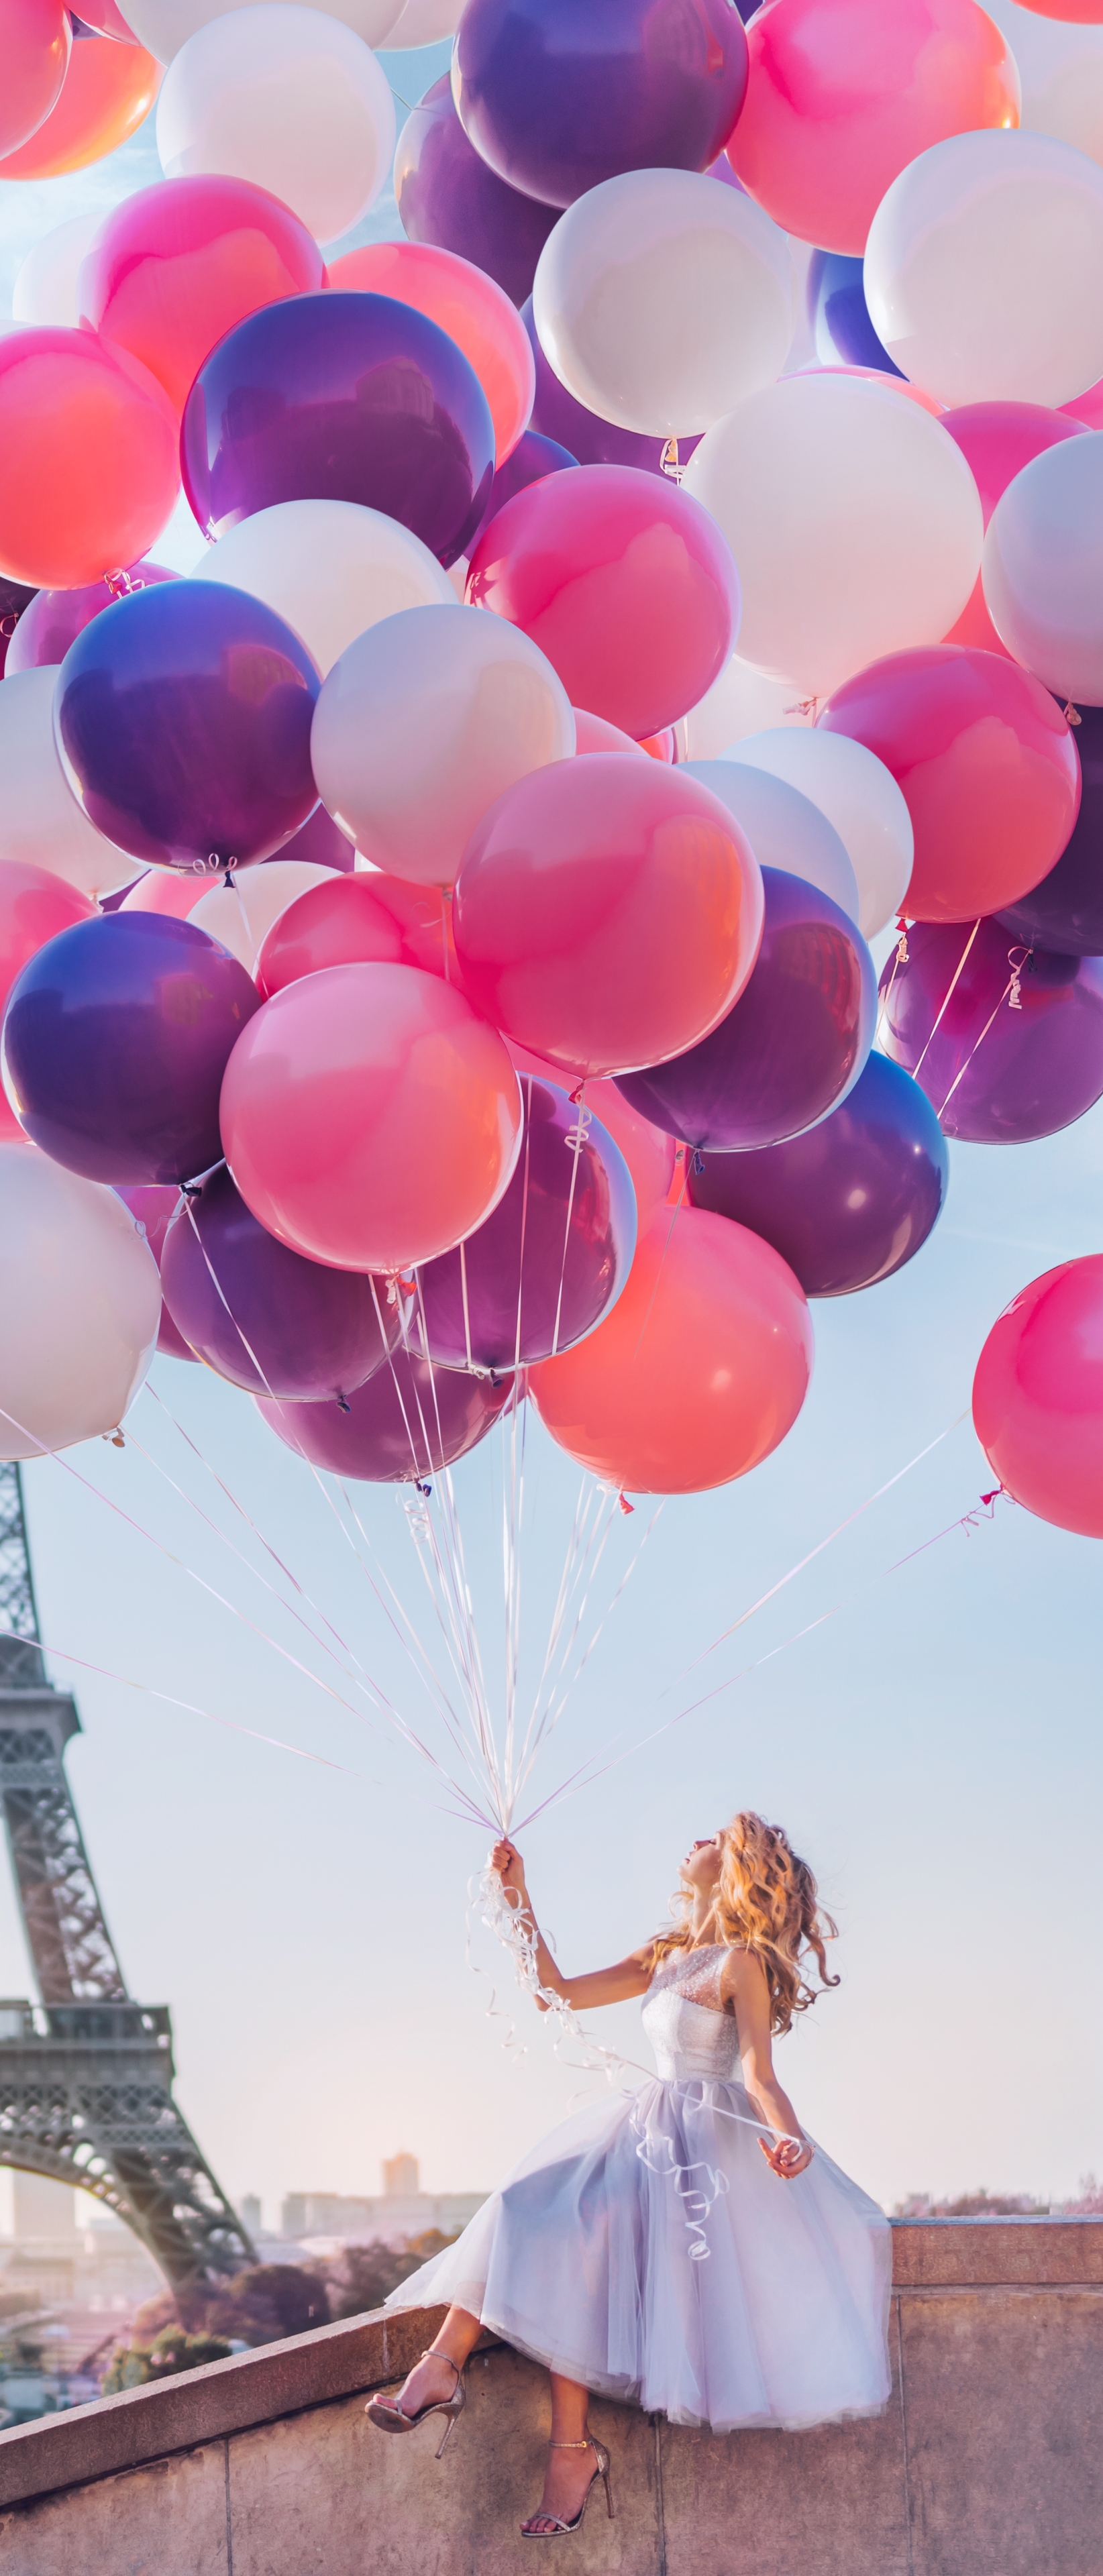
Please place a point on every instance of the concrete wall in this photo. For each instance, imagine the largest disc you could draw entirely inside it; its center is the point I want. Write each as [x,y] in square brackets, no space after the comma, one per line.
[989,2461]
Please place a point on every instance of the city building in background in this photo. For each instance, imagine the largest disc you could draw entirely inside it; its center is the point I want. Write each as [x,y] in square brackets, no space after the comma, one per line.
[391,2217]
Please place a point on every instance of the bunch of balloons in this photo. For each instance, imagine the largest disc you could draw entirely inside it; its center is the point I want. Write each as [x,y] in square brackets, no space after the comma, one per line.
[434,932]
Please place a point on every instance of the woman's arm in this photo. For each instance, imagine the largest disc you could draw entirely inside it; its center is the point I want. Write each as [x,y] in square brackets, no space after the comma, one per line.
[744,1987]
[630,1976]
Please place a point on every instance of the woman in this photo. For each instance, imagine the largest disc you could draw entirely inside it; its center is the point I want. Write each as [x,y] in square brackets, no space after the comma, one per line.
[684,2246]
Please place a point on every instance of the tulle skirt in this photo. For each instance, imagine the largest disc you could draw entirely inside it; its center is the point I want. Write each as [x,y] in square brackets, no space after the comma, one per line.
[646,2249]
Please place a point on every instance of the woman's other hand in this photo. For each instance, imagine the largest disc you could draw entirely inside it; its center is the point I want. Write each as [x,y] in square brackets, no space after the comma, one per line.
[506,1860]
[787,2156]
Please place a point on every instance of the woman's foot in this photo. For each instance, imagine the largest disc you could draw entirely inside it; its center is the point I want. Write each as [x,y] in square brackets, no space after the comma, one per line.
[567,2479]
[432,2378]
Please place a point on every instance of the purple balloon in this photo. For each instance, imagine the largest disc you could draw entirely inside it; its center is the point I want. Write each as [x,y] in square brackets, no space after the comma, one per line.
[260,1314]
[1065,912]
[15,599]
[447,196]
[155,1208]
[852,1199]
[408,1422]
[591,441]
[116,1038]
[55,618]
[529,462]
[321,843]
[1035,1069]
[549,1262]
[790,1048]
[182,716]
[558,95]
[340,397]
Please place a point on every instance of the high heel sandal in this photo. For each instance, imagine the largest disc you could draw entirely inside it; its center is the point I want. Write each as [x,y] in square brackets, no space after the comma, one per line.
[389,2418]
[561,2528]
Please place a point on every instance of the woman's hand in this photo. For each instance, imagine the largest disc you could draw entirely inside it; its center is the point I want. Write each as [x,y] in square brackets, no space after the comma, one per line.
[787,2156]
[506,1860]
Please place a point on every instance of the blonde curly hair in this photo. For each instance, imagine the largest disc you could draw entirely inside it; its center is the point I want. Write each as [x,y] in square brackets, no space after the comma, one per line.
[766,1902]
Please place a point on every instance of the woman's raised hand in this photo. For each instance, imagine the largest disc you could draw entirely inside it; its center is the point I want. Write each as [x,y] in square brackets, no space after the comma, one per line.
[506,1860]
[787,2156]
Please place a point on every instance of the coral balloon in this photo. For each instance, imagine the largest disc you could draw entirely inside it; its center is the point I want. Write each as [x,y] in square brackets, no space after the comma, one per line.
[851,1200]
[607,913]
[476,313]
[37,41]
[858,795]
[107,90]
[837,106]
[1017,1051]
[80,1297]
[116,1036]
[1042,567]
[34,906]
[154,1207]
[1038,1397]
[997,439]
[88,462]
[699,1371]
[288,98]
[625,584]
[174,267]
[259,1314]
[409,1421]
[39,819]
[447,195]
[1065,912]
[341,924]
[331,568]
[986,762]
[55,618]
[590,440]
[370,1118]
[790,1048]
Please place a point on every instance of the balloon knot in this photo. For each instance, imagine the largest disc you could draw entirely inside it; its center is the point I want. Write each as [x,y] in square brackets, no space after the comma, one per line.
[1072,714]
[575,1096]
[802,707]
[115,1437]
[119,582]
[343,1403]
[625,1505]
[993,1497]
[191,1190]
[426,1490]
[698,1163]
[669,460]
[1015,991]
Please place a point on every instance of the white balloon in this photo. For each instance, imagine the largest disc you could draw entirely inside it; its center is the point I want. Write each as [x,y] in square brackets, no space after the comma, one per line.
[859,796]
[662,300]
[1043,568]
[853,518]
[422,723]
[288,97]
[1061,70]
[241,914]
[330,568]
[741,701]
[46,287]
[424,22]
[80,1304]
[977,264]
[785,829]
[40,818]
[163,26]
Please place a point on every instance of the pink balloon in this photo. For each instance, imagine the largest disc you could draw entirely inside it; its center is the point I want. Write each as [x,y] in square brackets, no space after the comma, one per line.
[375,1118]
[595,733]
[34,907]
[165,890]
[997,439]
[1038,1397]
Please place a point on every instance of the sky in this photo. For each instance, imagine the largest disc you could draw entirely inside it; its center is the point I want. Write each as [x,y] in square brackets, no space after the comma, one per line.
[921,1713]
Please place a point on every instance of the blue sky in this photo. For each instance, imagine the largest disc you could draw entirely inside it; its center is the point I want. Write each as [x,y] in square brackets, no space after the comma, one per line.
[933,1746]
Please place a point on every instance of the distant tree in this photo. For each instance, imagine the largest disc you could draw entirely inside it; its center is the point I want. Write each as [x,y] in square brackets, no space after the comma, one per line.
[973,2204]
[361,2277]
[135,2365]
[1089,2203]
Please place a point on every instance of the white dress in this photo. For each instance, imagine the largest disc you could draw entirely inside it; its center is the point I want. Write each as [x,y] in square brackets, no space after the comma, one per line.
[646,2248]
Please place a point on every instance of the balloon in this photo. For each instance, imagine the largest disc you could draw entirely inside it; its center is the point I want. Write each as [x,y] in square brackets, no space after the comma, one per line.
[784,828]
[839,314]
[974,269]
[476,313]
[90,470]
[838,105]
[153,1207]
[344,923]
[1060,68]
[260,1315]
[165,25]
[55,618]
[590,440]
[1043,561]
[661,300]
[1018,1051]
[1038,1397]
[340,398]
[607,913]
[319,844]
[37,41]
[104,19]
[858,795]
[699,1371]
[1065,912]
[34,906]
[371,1119]
[39,819]
[532,458]
[241,914]
[164,890]
[557,97]
[182,716]
[409,1421]
[423,722]
[742,701]
[46,287]
[289,98]
[986,763]
[447,195]
[107,91]
[80,1297]
[592,733]
[116,1035]
[647,1150]
[624,584]
[551,1260]
[331,568]
[852,1199]
[174,267]
[853,519]
[790,1048]
[424,22]
[892,381]
[997,440]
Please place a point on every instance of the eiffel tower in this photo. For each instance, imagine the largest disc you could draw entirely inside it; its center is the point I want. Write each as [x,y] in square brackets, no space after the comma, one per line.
[86,2074]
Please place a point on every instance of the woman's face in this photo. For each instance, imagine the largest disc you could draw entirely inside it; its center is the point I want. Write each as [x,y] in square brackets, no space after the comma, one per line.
[701,1866]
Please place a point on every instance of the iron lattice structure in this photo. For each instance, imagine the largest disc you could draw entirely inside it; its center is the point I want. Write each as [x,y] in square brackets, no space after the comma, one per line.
[85,2075]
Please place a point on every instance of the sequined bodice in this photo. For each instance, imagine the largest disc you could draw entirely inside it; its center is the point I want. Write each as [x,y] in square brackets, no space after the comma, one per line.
[690,2034]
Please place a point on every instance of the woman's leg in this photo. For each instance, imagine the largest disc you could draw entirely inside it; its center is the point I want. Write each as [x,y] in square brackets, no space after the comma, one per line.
[432,2378]
[569,2470]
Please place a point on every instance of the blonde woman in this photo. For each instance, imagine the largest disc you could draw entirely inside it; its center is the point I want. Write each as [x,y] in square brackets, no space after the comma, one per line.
[684,2247]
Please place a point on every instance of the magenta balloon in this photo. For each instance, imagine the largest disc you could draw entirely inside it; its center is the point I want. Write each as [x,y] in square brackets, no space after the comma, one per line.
[261,1315]
[447,196]
[408,1422]
[551,1260]
[56,617]
[1009,1060]
[321,843]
